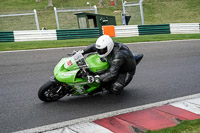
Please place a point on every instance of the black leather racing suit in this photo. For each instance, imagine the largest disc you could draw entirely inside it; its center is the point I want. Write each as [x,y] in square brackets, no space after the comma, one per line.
[122,66]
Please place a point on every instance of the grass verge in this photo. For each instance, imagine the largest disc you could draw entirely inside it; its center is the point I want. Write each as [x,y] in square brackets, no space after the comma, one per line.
[155,12]
[184,127]
[9,46]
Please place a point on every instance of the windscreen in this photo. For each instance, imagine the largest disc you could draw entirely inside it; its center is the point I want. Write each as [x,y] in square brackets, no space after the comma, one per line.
[79,59]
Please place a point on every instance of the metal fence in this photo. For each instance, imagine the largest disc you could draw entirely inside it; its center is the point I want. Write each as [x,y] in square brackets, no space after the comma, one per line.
[134,12]
[25,14]
[71,10]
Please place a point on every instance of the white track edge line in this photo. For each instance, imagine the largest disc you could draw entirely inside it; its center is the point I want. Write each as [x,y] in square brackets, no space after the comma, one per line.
[43,49]
[30,50]
[104,115]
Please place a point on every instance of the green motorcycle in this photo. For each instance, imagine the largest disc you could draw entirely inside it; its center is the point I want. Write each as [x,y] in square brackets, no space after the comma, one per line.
[71,77]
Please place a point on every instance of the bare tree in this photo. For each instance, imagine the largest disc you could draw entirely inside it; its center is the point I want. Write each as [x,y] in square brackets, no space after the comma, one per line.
[50,3]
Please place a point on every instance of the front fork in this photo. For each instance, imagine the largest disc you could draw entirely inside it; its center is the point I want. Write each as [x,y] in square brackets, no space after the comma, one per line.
[53,79]
[62,85]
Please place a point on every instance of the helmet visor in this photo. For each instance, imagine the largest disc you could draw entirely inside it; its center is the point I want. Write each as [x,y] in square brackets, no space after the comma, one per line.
[102,51]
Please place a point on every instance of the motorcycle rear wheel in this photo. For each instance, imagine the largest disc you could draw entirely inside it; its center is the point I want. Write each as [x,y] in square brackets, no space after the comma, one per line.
[51,91]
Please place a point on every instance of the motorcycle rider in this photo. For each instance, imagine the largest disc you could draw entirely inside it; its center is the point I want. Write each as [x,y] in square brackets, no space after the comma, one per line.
[122,63]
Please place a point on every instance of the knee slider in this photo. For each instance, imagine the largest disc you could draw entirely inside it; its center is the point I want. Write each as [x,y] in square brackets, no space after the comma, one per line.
[117,88]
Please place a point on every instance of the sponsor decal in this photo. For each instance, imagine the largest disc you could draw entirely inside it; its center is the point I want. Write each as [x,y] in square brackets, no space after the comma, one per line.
[69,63]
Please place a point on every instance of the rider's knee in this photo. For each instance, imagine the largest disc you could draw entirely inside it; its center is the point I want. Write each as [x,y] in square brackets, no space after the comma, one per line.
[117,88]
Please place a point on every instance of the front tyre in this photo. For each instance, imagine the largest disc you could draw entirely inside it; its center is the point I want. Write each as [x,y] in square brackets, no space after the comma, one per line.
[51,91]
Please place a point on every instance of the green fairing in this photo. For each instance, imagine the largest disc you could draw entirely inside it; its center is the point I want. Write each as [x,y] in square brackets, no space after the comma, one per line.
[95,64]
[66,75]
[67,69]
[81,88]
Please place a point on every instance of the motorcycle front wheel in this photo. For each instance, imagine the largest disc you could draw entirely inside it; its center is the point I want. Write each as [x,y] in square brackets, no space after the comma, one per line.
[51,91]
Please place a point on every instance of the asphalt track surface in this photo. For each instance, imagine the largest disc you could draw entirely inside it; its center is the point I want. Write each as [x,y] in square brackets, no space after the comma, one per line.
[168,70]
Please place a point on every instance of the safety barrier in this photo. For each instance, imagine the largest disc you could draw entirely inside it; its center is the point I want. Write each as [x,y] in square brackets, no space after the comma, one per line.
[35,35]
[154,29]
[6,37]
[39,35]
[78,33]
[184,28]
[126,31]
[136,30]
[113,31]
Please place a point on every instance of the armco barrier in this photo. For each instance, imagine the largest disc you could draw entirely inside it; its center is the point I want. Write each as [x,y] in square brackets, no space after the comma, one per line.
[6,37]
[126,31]
[35,35]
[78,33]
[184,28]
[115,31]
[136,30]
[154,29]
[38,35]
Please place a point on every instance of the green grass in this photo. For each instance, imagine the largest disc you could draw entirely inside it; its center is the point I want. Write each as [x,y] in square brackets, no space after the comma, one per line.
[155,12]
[171,11]
[184,127]
[7,46]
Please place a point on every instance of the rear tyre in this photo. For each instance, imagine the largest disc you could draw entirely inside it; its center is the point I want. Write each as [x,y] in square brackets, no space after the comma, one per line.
[51,91]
